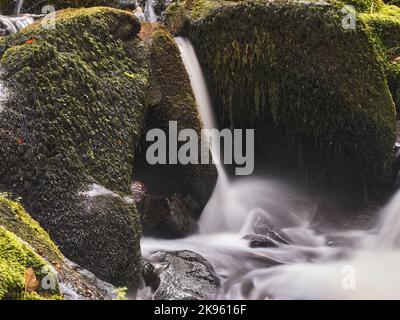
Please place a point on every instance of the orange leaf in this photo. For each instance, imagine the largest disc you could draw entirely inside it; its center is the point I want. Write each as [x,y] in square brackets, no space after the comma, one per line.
[30,41]
[20,141]
[31,282]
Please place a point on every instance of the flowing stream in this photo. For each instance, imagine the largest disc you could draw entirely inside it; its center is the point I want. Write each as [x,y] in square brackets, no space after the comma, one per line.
[301,260]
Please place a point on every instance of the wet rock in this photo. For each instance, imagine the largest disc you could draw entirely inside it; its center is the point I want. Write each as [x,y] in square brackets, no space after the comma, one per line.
[167,217]
[270,240]
[83,85]
[77,283]
[149,276]
[265,234]
[184,275]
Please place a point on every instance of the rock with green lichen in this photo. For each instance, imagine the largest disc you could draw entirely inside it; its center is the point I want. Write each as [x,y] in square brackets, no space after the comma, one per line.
[72,119]
[315,92]
[16,257]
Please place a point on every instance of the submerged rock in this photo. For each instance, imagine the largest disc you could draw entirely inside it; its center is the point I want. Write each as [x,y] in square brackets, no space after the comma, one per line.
[184,275]
[72,118]
[168,218]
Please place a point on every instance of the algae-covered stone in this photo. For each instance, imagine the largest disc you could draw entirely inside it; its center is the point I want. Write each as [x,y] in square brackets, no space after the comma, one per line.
[72,117]
[15,219]
[22,270]
[315,92]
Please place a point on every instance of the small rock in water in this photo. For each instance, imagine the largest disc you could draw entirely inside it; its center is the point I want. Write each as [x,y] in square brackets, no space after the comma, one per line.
[149,276]
[258,241]
[167,217]
[184,275]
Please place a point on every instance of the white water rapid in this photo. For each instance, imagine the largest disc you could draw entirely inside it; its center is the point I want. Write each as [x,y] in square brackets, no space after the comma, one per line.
[302,260]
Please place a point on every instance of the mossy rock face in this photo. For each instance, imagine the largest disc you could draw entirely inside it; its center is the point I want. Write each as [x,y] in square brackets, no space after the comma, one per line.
[15,219]
[17,259]
[72,117]
[383,28]
[170,98]
[315,92]
[36,6]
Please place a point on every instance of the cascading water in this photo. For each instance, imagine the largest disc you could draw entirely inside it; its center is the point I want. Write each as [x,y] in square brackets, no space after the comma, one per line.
[301,261]
[3,94]
[149,12]
[18,6]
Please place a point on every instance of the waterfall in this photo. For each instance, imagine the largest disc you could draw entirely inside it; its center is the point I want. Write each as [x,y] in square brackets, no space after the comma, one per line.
[300,259]
[222,192]
[149,12]
[18,6]
[3,93]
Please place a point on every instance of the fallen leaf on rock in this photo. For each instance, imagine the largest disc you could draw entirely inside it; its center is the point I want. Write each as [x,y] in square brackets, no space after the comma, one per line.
[31,283]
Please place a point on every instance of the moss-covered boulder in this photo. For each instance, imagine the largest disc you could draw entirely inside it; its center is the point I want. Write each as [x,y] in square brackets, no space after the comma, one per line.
[71,118]
[15,219]
[315,92]
[170,98]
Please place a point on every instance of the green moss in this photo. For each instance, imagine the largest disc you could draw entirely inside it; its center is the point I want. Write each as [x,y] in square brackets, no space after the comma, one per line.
[14,218]
[74,117]
[315,92]
[15,258]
